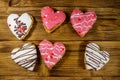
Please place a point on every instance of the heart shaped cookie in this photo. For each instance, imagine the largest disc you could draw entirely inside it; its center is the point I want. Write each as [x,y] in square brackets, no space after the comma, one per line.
[51,20]
[50,53]
[94,57]
[26,56]
[20,25]
[82,22]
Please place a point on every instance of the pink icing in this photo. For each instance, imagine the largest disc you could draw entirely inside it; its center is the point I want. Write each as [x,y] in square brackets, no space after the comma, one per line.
[82,22]
[50,53]
[52,19]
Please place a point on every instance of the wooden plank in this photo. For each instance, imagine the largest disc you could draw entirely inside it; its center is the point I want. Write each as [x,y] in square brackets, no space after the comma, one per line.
[102,30]
[8,67]
[102,13]
[49,78]
[3,8]
[4,3]
[105,32]
[113,47]
[3,13]
[71,62]
[68,3]
[61,69]
[56,78]
[108,71]
[111,78]
[107,24]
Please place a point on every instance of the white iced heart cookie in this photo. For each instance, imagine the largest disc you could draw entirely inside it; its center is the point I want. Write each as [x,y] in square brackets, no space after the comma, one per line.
[94,57]
[20,25]
[26,56]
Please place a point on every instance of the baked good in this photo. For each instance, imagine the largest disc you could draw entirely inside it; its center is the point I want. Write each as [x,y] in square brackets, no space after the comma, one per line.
[20,25]
[82,22]
[51,53]
[25,56]
[52,20]
[95,58]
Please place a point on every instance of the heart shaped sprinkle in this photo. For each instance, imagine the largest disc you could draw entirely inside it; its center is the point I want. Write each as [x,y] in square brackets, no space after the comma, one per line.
[82,22]
[26,56]
[20,25]
[50,53]
[94,57]
[51,20]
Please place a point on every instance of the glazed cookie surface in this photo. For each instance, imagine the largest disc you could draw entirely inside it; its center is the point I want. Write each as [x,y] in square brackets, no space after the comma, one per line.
[26,56]
[20,25]
[51,20]
[82,22]
[51,53]
[94,57]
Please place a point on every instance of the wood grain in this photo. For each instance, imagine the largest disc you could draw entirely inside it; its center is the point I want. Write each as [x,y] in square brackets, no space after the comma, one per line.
[72,62]
[68,3]
[102,30]
[52,78]
[105,32]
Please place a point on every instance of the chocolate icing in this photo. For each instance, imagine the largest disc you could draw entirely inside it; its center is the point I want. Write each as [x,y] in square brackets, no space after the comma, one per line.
[29,57]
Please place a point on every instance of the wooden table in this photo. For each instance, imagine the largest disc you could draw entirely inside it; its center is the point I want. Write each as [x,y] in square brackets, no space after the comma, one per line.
[106,33]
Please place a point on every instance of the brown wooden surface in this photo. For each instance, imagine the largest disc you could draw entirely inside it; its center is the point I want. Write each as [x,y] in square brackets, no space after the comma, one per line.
[106,33]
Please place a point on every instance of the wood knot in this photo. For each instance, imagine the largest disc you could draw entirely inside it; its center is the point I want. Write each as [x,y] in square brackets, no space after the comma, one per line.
[13,2]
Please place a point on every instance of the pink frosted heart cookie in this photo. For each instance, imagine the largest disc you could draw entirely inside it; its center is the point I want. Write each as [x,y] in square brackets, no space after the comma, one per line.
[20,25]
[82,22]
[94,57]
[51,20]
[25,56]
[51,53]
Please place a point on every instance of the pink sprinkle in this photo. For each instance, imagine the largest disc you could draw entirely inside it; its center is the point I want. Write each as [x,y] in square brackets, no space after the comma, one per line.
[44,16]
[83,22]
[63,49]
[53,18]
[52,52]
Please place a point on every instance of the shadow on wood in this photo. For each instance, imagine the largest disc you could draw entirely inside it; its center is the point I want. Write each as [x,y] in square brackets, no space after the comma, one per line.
[81,54]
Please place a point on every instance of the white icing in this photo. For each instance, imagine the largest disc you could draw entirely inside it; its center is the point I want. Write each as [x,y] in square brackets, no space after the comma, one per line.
[95,58]
[16,49]
[46,15]
[78,25]
[49,62]
[26,56]
[25,18]
[46,22]
[58,12]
